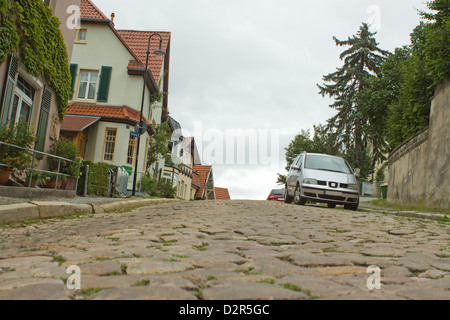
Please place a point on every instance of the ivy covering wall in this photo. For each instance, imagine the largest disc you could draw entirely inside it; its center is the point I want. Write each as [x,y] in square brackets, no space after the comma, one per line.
[30,30]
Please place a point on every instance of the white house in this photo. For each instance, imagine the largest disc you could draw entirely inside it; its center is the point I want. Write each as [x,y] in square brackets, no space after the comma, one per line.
[107,69]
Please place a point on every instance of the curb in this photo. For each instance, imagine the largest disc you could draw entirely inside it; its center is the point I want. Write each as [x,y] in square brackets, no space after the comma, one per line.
[51,209]
[119,205]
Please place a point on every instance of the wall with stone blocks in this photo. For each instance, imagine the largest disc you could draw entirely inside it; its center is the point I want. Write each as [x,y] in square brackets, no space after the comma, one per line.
[419,170]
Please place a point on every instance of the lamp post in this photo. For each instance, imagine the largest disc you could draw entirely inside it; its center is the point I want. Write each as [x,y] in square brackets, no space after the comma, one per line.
[140,127]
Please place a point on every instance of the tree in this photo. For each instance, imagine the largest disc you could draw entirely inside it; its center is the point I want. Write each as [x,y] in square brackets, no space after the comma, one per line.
[426,65]
[362,61]
[375,99]
[158,146]
[322,142]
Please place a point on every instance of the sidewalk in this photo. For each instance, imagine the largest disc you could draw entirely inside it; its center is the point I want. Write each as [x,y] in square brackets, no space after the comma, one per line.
[366,205]
[20,209]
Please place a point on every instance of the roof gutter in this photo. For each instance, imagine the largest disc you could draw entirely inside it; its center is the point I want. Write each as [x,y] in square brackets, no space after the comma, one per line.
[151,84]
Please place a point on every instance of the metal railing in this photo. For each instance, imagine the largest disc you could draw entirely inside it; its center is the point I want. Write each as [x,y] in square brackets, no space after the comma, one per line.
[35,154]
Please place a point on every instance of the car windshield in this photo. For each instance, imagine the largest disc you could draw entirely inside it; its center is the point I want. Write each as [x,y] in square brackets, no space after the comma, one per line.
[277,192]
[326,163]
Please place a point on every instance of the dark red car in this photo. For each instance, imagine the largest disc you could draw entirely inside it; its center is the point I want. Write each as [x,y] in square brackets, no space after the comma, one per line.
[276,195]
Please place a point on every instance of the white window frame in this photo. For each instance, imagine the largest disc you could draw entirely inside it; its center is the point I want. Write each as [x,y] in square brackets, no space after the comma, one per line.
[22,98]
[85,96]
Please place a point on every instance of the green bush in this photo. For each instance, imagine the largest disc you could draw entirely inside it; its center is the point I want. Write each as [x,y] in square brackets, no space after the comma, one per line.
[98,180]
[65,149]
[160,189]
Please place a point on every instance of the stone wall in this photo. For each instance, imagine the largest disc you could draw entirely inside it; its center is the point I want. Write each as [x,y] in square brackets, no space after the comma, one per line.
[419,169]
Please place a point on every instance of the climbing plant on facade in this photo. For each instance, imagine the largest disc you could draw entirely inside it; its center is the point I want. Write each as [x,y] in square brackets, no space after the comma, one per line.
[30,30]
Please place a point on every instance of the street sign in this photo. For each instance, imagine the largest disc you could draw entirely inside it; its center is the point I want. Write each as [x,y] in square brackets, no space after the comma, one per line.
[134,134]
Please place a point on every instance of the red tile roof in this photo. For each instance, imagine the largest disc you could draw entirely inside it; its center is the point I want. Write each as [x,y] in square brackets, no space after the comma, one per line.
[138,42]
[89,10]
[115,112]
[196,179]
[77,123]
[203,172]
[222,194]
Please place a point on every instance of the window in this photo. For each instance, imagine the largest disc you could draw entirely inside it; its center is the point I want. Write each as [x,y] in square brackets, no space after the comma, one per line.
[82,33]
[88,85]
[22,101]
[131,150]
[110,144]
[81,36]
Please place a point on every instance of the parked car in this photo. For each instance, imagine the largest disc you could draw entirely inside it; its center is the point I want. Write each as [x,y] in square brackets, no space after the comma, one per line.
[276,195]
[322,178]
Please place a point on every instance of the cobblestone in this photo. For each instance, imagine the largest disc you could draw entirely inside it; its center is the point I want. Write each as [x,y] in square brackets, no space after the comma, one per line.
[227,250]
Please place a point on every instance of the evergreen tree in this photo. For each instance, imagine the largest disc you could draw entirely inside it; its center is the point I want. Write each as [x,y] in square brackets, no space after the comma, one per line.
[362,61]
[322,142]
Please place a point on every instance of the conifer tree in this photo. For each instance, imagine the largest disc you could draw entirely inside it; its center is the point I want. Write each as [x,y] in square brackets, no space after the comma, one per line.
[362,61]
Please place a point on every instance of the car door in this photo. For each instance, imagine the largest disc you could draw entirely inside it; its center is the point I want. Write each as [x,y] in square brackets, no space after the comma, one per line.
[289,179]
[293,174]
[297,171]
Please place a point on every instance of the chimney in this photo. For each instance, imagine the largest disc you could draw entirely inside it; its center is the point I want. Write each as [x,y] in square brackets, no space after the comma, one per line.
[113,15]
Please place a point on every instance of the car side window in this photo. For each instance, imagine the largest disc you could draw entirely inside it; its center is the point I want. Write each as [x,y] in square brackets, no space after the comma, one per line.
[298,164]
[294,163]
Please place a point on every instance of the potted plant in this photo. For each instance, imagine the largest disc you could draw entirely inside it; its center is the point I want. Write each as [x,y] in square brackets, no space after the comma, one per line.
[14,160]
[35,177]
[49,180]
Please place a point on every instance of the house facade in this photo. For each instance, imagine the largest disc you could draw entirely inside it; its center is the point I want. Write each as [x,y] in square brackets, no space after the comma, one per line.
[108,68]
[184,156]
[30,99]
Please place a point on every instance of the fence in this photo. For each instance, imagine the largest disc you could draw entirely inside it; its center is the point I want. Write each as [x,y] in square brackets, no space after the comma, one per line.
[37,157]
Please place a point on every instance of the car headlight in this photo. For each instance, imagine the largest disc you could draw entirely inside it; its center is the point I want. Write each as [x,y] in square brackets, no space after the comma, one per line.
[310,181]
[353,186]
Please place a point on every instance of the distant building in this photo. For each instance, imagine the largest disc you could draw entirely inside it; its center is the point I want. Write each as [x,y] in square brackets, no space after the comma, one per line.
[222,194]
[206,176]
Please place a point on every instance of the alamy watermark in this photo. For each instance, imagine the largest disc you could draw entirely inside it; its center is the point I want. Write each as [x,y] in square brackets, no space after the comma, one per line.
[74,280]
[374,20]
[229,146]
[74,20]
[374,281]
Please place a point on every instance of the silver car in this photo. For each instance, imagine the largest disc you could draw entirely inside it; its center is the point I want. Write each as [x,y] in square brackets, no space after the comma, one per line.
[322,178]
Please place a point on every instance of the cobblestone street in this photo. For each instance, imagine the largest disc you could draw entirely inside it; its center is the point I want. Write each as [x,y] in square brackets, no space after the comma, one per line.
[235,250]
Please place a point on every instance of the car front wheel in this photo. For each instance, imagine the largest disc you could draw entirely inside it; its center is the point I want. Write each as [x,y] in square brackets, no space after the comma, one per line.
[353,207]
[298,198]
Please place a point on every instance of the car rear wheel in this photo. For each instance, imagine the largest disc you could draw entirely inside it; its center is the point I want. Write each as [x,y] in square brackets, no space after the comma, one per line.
[287,197]
[298,198]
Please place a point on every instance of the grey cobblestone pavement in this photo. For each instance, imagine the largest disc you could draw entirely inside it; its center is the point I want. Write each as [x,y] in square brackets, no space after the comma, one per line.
[227,250]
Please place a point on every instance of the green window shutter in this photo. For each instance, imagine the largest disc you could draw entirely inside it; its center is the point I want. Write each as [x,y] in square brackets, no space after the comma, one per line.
[8,90]
[73,73]
[43,120]
[103,88]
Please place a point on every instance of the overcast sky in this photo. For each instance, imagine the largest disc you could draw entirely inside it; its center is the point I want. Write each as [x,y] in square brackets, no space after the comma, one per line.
[254,65]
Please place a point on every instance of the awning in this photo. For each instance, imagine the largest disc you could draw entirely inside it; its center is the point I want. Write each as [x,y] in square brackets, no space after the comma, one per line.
[73,123]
